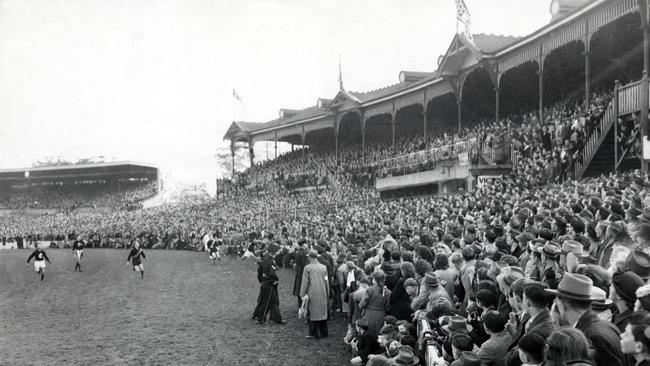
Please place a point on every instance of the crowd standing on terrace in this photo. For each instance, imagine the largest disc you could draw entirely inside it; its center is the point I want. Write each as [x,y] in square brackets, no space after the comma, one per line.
[536,269]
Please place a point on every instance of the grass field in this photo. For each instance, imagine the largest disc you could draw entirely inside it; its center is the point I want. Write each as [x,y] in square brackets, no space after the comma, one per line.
[185,312]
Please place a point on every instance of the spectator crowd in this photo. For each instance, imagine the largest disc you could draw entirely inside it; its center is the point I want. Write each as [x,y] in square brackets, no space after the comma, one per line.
[536,269]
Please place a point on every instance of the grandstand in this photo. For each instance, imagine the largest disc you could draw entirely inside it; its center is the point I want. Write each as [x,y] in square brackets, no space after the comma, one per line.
[501,121]
[447,130]
[505,154]
[113,185]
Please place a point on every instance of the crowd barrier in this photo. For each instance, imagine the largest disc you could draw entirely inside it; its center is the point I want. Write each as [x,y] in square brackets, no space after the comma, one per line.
[27,245]
[431,356]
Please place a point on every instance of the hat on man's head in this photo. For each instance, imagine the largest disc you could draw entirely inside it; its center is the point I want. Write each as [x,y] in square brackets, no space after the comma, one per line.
[469,359]
[502,245]
[512,274]
[533,343]
[626,284]
[410,282]
[572,246]
[524,238]
[406,356]
[600,301]
[551,250]
[574,286]
[485,297]
[313,253]
[578,225]
[430,280]
[494,321]
[638,262]
[457,324]
[546,234]
[461,340]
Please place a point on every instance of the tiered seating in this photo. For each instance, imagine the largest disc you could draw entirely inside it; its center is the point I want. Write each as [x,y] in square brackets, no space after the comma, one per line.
[73,196]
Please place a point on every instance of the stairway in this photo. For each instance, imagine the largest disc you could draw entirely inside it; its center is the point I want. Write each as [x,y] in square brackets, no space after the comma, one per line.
[603,161]
[598,152]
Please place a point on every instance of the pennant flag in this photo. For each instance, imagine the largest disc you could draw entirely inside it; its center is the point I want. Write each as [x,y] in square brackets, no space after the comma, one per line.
[342,88]
[236,96]
[340,76]
[462,16]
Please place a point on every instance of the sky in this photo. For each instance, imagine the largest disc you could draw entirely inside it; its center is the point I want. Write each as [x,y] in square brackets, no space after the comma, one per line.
[152,80]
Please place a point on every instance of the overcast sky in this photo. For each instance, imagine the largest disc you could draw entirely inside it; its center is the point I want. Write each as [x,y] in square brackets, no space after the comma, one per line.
[152,80]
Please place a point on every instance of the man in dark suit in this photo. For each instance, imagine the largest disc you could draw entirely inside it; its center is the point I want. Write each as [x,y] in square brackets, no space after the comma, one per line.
[530,299]
[573,302]
[301,261]
[535,302]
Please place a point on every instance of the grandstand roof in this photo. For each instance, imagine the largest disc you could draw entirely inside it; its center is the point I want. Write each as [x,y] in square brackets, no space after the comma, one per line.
[490,43]
[483,46]
[122,169]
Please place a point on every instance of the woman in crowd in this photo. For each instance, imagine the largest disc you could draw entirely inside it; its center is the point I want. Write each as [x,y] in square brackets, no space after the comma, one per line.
[375,303]
[400,301]
[567,346]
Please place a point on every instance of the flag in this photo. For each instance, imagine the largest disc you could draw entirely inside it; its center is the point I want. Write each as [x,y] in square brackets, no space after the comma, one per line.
[342,88]
[236,96]
[462,16]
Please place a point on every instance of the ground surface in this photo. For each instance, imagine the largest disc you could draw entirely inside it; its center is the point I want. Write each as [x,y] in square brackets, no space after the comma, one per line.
[185,312]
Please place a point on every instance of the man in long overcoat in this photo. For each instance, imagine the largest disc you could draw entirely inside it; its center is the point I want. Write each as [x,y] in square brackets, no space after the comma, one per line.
[314,288]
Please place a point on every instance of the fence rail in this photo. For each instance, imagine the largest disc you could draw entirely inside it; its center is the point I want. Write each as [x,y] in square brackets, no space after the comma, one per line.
[626,100]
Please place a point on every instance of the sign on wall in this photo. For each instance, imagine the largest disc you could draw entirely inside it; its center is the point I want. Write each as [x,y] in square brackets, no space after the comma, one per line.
[488,179]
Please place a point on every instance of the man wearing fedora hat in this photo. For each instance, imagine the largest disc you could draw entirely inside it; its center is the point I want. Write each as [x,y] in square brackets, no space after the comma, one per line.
[550,256]
[406,356]
[638,262]
[468,359]
[573,300]
[314,288]
[623,293]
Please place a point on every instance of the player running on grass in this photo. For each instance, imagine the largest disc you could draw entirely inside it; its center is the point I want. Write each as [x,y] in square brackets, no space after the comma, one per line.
[134,257]
[213,246]
[39,261]
[78,252]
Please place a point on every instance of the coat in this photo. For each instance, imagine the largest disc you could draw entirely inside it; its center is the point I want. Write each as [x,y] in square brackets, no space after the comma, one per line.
[355,300]
[448,277]
[301,261]
[542,324]
[375,304]
[493,351]
[367,345]
[604,337]
[315,284]
[400,302]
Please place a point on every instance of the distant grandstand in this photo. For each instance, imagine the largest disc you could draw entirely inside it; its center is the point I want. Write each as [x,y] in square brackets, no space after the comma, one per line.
[121,185]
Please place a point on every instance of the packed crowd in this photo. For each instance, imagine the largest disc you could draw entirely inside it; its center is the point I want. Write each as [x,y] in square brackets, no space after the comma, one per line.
[536,269]
[503,275]
[550,146]
[74,196]
[547,151]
